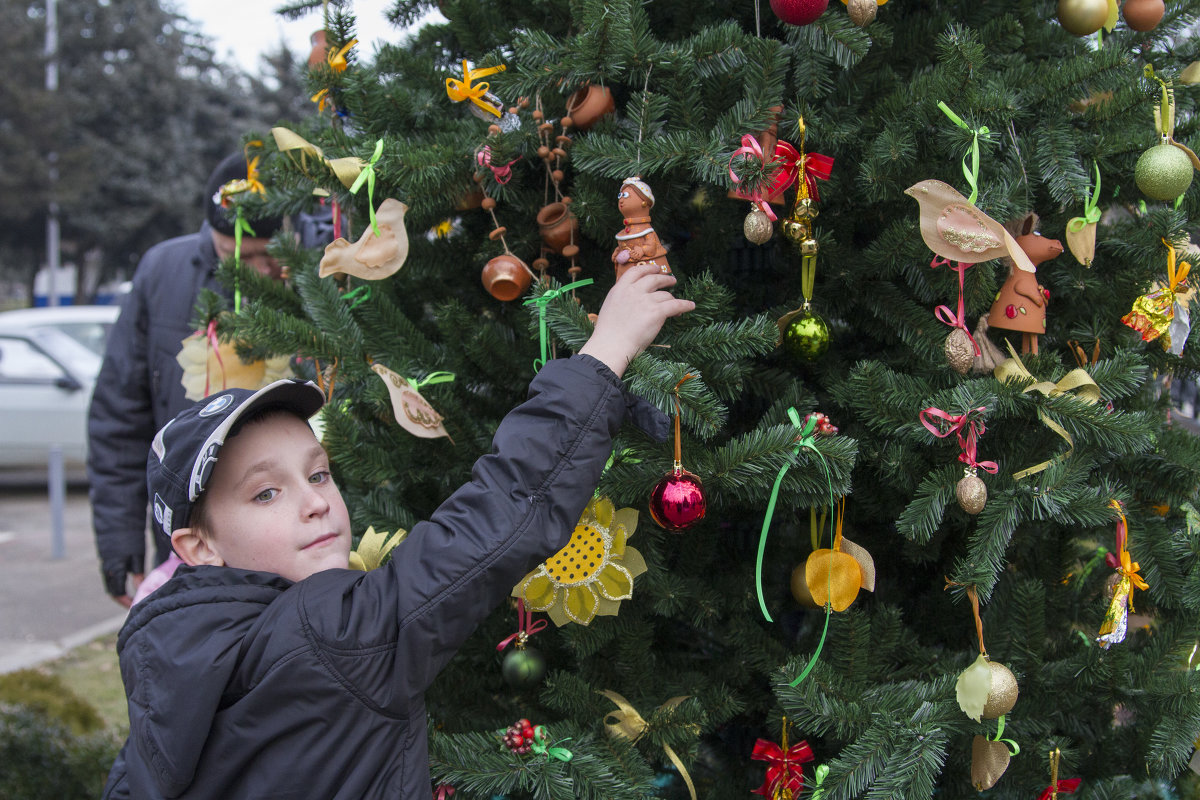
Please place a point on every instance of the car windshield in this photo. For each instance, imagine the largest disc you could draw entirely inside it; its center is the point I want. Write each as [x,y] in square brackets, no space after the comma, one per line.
[78,359]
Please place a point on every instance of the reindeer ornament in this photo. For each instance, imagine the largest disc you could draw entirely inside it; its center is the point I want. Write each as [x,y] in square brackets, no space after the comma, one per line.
[1021,303]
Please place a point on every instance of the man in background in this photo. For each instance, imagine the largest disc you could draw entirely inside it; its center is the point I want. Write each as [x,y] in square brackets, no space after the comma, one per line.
[139,387]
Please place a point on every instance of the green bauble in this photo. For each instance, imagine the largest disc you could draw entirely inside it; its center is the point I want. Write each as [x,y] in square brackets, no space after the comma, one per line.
[1163,172]
[523,668]
[806,337]
[1082,17]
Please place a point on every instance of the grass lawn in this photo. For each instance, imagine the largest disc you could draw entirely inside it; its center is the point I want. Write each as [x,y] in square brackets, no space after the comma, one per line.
[92,672]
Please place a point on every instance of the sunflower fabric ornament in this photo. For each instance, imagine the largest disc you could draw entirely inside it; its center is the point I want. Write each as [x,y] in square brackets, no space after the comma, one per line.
[592,574]
[210,365]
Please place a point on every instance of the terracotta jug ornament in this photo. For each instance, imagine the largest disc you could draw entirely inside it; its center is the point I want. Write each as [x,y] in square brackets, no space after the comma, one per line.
[637,243]
[1021,303]
[586,106]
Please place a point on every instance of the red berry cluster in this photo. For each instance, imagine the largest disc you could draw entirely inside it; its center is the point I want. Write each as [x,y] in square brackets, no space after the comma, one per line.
[824,426]
[519,736]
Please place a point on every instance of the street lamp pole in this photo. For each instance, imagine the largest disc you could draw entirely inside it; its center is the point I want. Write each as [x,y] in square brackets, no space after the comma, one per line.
[52,231]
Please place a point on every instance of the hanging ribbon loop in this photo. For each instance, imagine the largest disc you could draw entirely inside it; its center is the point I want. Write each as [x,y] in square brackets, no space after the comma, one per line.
[540,301]
[542,748]
[971,172]
[786,161]
[467,90]
[943,313]
[483,157]
[941,425]
[430,379]
[368,176]
[628,724]
[1091,208]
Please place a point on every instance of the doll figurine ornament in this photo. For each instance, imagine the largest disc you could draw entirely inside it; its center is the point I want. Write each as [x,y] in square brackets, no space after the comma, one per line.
[637,243]
[1021,303]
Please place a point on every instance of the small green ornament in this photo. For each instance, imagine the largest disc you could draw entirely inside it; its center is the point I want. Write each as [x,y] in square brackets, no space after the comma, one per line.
[806,336]
[523,667]
[1163,172]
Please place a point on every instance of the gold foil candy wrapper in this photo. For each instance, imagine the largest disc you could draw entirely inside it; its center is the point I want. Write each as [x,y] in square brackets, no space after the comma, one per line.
[1151,314]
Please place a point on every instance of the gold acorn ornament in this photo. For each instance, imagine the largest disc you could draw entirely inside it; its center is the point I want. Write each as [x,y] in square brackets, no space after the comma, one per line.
[1164,171]
[970,491]
[862,12]
[960,352]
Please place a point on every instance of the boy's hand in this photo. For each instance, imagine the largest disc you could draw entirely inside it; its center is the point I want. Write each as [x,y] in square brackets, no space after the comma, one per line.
[632,315]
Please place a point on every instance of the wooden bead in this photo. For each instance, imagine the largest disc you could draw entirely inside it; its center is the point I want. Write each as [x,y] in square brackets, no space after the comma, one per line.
[477,177]
[488,203]
[563,141]
[574,271]
[496,234]
[545,127]
[557,176]
[543,152]
[513,110]
[523,102]
[566,122]
[493,130]
[538,116]
[567,200]
[559,152]
[541,264]
[570,250]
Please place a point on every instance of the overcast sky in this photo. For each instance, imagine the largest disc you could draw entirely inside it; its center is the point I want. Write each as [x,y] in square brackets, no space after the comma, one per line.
[242,30]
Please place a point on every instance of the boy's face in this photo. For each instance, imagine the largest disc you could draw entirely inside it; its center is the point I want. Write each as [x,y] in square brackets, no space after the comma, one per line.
[272,503]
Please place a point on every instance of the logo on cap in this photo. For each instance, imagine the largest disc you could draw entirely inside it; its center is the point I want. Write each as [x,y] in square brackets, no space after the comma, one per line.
[217,406]
[162,514]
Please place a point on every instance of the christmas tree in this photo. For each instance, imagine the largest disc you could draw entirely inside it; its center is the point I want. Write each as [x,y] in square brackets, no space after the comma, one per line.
[1013,490]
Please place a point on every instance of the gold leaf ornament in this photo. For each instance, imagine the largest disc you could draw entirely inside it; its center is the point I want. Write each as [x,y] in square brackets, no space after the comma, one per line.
[373,548]
[593,573]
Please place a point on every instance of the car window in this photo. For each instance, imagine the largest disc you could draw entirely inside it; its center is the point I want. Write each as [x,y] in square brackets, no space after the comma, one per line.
[21,361]
[91,335]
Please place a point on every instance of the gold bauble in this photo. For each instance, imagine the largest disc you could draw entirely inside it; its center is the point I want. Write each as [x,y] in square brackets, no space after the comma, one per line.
[971,493]
[862,12]
[806,336]
[988,761]
[757,226]
[1082,17]
[1163,172]
[1003,694]
[800,589]
[959,351]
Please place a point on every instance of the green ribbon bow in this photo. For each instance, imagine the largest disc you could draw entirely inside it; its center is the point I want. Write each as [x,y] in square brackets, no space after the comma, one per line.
[971,172]
[368,176]
[822,772]
[540,746]
[541,302]
[807,438]
[430,379]
[240,226]
[1015,748]
[1091,208]
[362,293]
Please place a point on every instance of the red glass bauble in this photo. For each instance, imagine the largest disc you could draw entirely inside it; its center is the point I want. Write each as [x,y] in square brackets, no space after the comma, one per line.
[799,12]
[677,501]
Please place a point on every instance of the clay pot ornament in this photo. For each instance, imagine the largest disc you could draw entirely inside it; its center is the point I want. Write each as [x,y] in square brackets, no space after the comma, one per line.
[373,256]
[799,12]
[1021,303]
[637,243]
[1143,15]
[506,277]
[559,227]
[586,106]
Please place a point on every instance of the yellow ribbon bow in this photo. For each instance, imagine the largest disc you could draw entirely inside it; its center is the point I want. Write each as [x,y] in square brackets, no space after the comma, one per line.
[1077,380]
[628,724]
[337,61]
[373,547]
[1129,568]
[464,90]
[1175,274]
[346,169]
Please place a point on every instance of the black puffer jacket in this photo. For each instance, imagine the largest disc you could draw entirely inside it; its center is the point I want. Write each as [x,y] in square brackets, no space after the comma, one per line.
[139,390]
[245,685]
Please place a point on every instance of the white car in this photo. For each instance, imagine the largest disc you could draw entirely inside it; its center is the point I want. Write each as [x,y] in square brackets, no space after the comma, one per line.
[49,359]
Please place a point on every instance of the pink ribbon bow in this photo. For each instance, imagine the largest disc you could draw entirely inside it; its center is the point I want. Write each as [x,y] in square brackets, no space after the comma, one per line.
[215,345]
[956,424]
[483,157]
[786,161]
[444,791]
[785,770]
[943,313]
[1068,787]
[526,627]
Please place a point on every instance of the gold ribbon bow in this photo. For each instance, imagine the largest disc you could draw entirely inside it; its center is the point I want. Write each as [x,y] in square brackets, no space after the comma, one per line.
[464,90]
[628,724]
[337,61]
[345,169]
[1077,380]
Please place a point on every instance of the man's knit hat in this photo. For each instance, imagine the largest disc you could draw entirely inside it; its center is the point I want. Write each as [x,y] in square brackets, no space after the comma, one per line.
[232,168]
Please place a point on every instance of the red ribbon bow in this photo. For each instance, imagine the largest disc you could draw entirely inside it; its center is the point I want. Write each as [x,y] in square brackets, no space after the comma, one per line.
[816,166]
[444,791]
[526,627]
[785,770]
[483,157]
[1067,787]
[956,424]
[786,161]
[943,313]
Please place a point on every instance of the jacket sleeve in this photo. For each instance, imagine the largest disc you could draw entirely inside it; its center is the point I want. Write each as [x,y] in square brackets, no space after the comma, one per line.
[520,507]
[120,430]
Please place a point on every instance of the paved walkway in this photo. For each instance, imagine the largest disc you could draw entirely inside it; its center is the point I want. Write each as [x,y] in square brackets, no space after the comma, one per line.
[47,605]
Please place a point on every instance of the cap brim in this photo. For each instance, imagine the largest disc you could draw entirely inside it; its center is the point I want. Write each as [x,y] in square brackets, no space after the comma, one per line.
[304,399]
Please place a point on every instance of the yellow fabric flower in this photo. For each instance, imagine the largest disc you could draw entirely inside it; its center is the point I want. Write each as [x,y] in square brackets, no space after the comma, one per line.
[373,547]
[592,574]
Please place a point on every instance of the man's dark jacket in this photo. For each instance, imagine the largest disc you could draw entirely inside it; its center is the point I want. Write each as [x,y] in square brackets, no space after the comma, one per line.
[246,685]
[139,389]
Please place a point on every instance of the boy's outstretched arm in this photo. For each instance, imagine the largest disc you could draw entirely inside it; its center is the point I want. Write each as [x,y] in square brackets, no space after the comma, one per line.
[632,315]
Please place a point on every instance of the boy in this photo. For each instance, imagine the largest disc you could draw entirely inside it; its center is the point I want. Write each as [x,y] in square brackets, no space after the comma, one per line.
[266,669]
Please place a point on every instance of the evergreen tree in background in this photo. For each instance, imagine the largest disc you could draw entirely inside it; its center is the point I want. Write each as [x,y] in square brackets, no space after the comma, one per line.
[878,706]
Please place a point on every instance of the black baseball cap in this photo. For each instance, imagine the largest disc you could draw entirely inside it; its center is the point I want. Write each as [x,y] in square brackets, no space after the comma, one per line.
[184,452]
[232,168]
